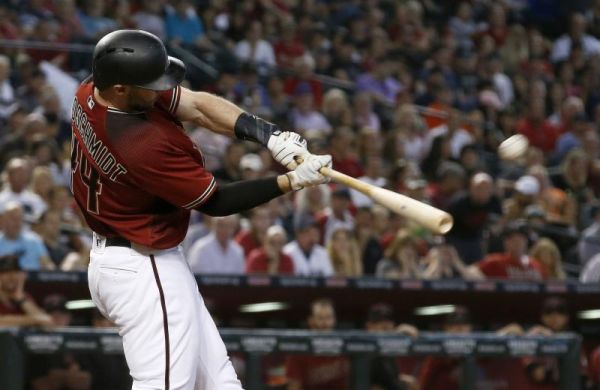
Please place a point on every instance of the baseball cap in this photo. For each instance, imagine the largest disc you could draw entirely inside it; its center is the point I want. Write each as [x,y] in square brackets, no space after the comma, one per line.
[554,305]
[380,312]
[528,185]
[251,161]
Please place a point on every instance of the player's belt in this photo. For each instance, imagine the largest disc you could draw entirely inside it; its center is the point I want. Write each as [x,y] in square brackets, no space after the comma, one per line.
[118,241]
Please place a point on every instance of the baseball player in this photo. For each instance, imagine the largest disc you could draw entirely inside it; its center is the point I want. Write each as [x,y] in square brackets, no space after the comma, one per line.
[136,176]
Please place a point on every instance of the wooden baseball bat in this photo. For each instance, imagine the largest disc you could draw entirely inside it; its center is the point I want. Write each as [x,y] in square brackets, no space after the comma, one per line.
[436,220]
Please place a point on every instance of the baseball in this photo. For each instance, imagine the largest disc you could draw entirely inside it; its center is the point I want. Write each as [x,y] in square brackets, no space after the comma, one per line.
[513,147]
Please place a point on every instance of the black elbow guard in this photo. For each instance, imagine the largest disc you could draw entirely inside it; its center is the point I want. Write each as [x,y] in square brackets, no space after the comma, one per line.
[249,127]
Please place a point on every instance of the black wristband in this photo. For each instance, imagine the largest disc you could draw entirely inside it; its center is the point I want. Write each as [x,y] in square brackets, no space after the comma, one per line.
[249,127]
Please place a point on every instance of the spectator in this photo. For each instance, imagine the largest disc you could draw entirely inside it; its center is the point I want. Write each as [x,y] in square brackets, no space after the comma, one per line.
[336,108]
[546,251]
[95,24]
[310,258]
[318,372]
[256,49]
[269,258]
[313,200]
[573,137]
[591,270]
[62,256]
[17,179]
[344,254]
[343,152]
[514,263]
[17,308]
[251,166]
[230,171]
[218,253]
[451,178]
[589,241]
[184,27]
[527,190]
[472,210]
[401,259]
[16,241]
[384,372]
[538,130]
[8,101]
[564,45]
[337,215]
[443,262]
[150,18]
[573,177]
[379,83]
[462,24]
[304,115]
[365,226]
[304,74]
[252,238]
[363,112]
[439,152]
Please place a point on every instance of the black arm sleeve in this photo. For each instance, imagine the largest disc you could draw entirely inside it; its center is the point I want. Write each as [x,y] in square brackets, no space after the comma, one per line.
[240,196]
[249,127]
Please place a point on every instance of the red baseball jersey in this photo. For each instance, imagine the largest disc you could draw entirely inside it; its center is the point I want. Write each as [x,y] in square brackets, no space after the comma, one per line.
[136,175]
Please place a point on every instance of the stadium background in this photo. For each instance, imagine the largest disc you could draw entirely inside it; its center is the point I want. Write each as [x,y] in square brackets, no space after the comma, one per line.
[414,96]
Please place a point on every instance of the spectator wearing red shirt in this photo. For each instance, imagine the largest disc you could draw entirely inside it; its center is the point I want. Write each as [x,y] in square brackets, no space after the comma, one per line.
[289,47]
[269,259]
[16,307]
[252,238]
[309,372]
[514,263]
[304,67]
[538,130]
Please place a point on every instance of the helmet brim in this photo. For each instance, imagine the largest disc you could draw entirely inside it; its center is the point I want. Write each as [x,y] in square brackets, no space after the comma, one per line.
[172,77]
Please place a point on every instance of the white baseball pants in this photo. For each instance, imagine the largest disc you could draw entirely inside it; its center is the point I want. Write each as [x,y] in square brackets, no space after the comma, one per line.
[169,338]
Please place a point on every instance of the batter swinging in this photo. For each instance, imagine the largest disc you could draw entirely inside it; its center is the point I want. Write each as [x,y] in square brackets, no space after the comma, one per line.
[136,176]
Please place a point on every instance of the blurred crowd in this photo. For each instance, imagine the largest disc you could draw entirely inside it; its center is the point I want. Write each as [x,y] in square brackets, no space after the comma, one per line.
[414,96]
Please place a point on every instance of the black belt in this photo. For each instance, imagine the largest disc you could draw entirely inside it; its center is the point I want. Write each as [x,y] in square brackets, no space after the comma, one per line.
[118,241]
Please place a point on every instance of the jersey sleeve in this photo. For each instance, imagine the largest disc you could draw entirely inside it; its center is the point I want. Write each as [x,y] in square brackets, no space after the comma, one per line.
[173,174]
[169,100]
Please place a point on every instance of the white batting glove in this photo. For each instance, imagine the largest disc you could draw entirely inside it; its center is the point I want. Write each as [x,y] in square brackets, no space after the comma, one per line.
[307,173]
[286,146]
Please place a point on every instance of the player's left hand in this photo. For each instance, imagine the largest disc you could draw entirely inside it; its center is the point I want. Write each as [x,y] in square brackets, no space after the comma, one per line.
[286,146]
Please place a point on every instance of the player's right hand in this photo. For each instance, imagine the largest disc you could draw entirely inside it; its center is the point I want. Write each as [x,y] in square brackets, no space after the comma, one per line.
[307,173]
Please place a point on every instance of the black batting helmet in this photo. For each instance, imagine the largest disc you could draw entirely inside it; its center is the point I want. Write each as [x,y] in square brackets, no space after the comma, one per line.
[135,57]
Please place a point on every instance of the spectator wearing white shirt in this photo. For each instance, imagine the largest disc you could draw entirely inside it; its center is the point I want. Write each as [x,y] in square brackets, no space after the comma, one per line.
[218,253]
[373,175]
[337,216]
[576,36]
[15,190]
[255,49]
[589,241]
[591,271]
[309,258]
[8,102]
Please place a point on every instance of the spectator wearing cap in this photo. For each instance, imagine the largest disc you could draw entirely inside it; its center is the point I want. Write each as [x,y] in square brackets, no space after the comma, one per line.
[384,371]
[269,258]
[472,210]
[23,244]
[514,263]
[17,308]
[554,318]
[17,174]
[310,258]
[219,244]
[252,236]
[337,215]
[526,193]
[304,115]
